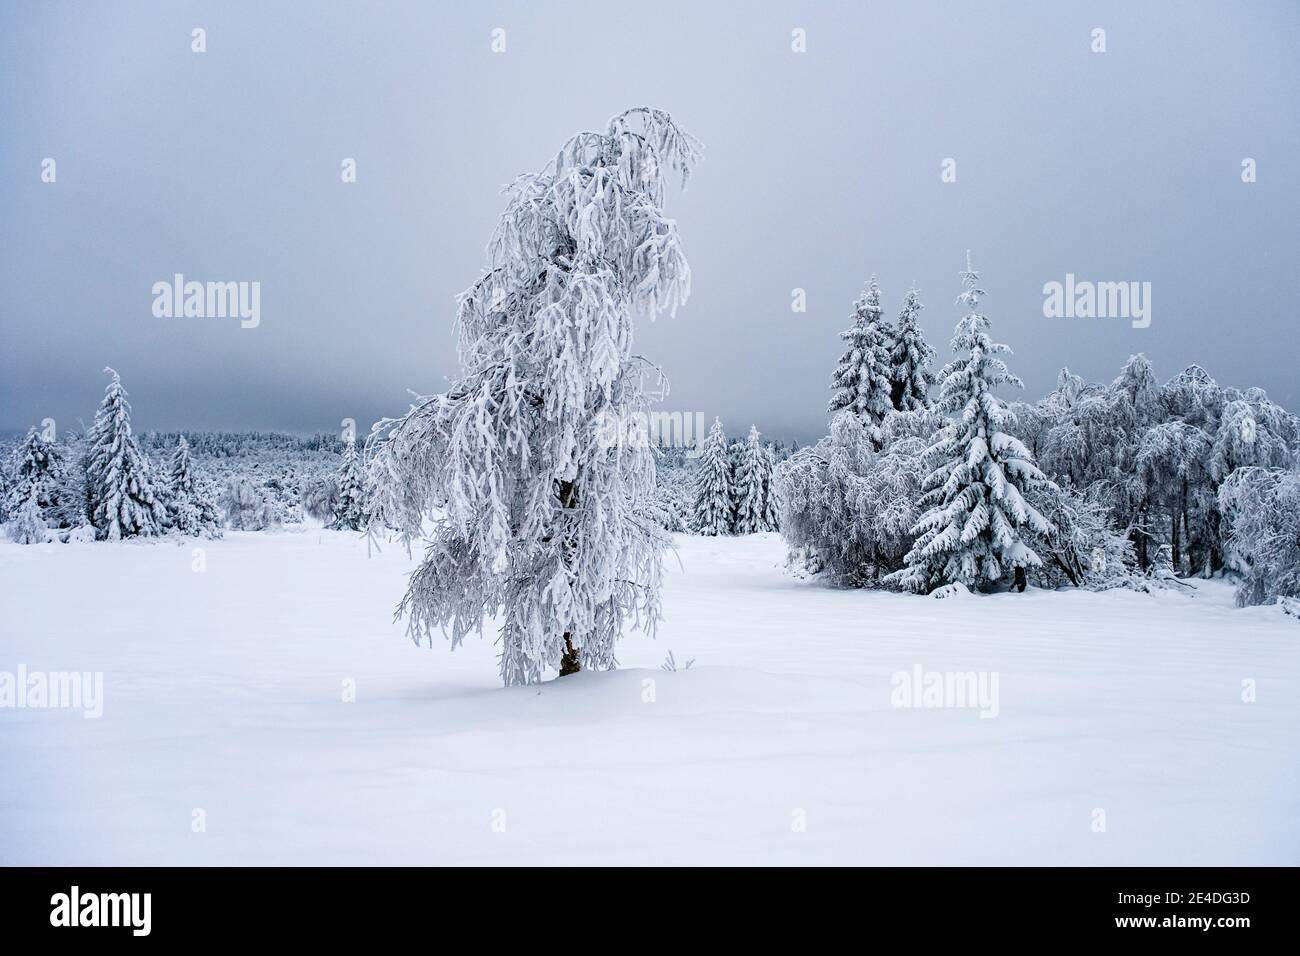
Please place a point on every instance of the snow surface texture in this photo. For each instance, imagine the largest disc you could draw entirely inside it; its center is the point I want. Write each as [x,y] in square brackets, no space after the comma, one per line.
[223,692]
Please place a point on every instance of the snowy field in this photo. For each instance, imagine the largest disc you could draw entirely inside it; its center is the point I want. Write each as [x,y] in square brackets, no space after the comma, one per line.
[223,692]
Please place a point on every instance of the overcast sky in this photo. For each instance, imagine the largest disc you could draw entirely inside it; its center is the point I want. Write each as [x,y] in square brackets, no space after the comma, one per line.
[820,168]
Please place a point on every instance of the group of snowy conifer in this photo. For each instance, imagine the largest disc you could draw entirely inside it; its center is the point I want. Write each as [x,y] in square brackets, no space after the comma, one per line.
[734,493]
[1126,484]
[103,485]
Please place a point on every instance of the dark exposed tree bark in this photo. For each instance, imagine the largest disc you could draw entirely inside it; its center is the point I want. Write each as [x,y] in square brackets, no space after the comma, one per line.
[570,662]
[1174,550]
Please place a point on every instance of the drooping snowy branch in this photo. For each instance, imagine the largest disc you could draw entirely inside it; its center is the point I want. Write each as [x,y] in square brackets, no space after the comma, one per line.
[532,513]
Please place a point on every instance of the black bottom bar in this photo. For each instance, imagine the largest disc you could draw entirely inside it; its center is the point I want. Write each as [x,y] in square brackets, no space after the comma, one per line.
[335,905]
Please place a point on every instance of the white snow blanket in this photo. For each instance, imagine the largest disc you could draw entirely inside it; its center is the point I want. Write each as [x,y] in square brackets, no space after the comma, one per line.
[267,709]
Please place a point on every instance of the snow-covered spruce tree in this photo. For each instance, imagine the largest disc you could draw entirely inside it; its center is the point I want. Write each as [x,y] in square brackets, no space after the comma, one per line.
[189,509]
[910,359]
[534,517]
[27,522]
[119,486]
[713,492]
[37,465]
[861,382]
[974,530]
[350,507]
[753,485]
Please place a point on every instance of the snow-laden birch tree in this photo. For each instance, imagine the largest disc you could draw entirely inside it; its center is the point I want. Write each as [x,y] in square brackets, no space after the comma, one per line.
[973,532]
[532,516]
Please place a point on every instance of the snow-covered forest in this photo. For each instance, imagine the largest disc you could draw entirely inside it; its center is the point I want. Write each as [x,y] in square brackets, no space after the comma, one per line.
[930,479]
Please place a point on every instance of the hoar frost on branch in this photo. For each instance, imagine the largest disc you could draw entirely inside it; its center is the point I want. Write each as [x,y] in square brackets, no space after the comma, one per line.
[530,515]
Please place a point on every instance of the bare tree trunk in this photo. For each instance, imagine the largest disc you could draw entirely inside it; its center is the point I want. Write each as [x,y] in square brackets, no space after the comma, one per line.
[570,663]
[1174,550]
[1139,538]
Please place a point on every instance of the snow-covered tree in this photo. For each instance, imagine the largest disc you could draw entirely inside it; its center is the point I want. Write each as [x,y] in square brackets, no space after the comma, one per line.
[712,513]
[37,465]
[910,358]
[120,489]
[189,509]
[974,530]
[848,508]
[735,459]
[1081,549]
[1194,397]
[1172,462]
[350,508]
[771,516]
[1251,433]
[180,474]
[1133,405]
[1261,519]
[248,508]
[1138,386]
[533,516]
[861,382]
[27,522]
[754,511]
[320,498]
